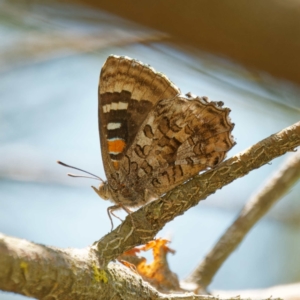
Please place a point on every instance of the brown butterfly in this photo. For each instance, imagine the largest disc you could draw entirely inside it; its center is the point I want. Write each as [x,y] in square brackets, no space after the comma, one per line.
[152,137]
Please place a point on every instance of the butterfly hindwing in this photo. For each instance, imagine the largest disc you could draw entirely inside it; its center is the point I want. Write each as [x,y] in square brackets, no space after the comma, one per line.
[179,138]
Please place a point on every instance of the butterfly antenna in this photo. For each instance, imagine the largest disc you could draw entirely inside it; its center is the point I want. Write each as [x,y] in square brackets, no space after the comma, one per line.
[80,176]
[73,175]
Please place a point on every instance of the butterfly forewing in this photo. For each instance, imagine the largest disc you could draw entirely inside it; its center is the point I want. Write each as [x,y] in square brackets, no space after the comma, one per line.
[128,90]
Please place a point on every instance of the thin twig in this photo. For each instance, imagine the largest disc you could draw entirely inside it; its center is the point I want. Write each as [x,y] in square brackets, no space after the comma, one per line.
[285,291]
[277,186]
[151,218]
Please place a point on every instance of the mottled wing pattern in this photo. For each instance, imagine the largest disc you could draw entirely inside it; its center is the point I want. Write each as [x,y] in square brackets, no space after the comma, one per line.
[180,137]
[128,90]
[153,138]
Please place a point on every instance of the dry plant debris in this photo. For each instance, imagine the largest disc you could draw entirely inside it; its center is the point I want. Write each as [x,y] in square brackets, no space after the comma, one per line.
[158,272]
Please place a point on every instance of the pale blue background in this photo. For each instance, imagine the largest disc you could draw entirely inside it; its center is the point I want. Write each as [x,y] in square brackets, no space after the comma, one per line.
[48,111]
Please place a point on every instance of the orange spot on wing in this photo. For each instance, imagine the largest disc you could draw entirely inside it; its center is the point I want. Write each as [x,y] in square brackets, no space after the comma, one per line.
[116,146]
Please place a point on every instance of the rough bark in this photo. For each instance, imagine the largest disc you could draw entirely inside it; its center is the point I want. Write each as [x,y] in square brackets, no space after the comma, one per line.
[51,273]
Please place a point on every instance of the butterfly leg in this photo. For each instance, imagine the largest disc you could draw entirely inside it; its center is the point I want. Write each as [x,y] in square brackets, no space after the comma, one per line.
[110,210]
[110,213]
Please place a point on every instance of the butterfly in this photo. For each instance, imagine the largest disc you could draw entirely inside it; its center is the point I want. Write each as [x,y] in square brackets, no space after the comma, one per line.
[152,137]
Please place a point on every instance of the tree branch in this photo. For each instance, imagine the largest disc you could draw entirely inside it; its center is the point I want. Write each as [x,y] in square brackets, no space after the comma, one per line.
[65,274]
[278,185]
[152,217]
[52,273]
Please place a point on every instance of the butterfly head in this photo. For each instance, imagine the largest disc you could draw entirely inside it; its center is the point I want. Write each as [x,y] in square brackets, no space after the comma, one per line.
[103,191]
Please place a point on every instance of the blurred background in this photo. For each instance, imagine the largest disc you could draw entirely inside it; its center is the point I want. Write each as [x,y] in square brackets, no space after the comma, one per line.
[245,53]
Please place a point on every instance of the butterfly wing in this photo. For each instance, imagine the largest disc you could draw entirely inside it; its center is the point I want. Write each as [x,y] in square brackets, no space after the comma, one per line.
[128,90]
[152,139]
[179,138]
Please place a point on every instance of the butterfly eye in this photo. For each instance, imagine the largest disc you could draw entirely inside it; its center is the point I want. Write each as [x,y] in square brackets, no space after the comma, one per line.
[102,191]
